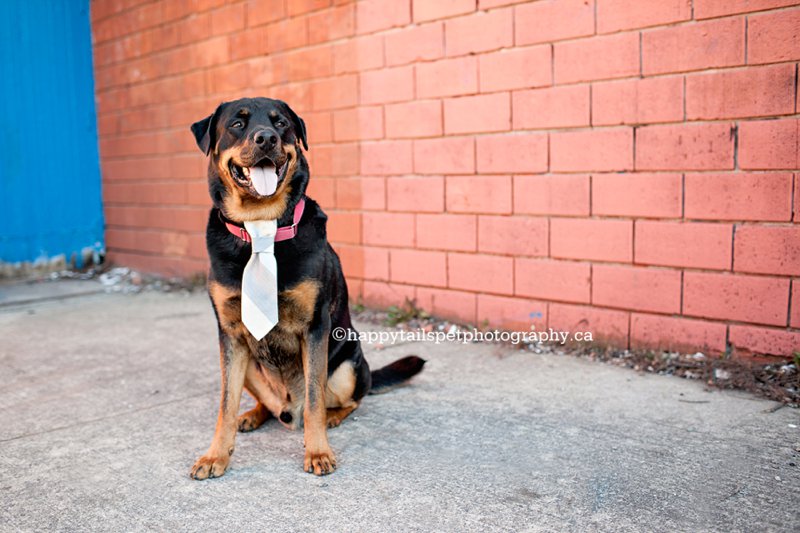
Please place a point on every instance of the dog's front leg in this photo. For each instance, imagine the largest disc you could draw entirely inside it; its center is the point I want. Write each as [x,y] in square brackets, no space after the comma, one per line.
[319,458]
[233,359]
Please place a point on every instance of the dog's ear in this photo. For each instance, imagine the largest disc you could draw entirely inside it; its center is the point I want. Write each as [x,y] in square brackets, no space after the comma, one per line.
[299,125]
[205,131]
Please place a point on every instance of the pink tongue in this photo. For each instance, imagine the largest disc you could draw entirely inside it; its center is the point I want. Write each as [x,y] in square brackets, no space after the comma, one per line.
[265,179]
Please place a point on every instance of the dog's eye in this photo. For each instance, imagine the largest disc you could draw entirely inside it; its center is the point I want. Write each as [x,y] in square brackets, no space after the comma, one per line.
[280,124]
[237,124]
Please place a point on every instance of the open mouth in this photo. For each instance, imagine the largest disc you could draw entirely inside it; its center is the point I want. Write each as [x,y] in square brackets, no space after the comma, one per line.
[261,179]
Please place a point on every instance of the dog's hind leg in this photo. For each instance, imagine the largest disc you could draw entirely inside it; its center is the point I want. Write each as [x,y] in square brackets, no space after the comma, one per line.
[339,395]
[268,400]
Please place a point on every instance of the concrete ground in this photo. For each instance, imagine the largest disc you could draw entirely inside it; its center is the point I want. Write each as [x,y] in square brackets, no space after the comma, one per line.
[107,400]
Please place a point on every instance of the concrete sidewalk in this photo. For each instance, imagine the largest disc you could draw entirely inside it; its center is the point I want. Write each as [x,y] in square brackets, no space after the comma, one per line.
[107,400]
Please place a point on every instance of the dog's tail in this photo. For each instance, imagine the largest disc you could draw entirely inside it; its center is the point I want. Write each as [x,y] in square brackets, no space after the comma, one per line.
[394,374]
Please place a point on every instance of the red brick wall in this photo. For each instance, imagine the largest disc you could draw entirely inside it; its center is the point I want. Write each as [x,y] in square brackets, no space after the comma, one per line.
[629,168]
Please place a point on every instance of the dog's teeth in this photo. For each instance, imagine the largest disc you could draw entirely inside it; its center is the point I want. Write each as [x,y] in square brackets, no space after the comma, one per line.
[246,171]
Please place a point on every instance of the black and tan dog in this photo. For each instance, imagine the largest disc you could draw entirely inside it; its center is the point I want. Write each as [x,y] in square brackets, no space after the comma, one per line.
[299,373]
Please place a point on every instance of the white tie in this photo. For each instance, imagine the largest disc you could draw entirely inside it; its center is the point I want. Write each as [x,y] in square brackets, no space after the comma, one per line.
[260,280]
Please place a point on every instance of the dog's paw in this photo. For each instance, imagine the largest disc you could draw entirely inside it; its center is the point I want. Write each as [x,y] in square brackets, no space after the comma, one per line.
[320,463]
[252,419]
[209,467]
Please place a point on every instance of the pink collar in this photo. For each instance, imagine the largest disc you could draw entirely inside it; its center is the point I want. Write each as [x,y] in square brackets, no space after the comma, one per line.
[284,233]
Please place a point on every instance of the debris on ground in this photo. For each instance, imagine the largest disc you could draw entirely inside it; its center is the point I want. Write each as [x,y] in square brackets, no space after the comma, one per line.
[778,381]
[129,281]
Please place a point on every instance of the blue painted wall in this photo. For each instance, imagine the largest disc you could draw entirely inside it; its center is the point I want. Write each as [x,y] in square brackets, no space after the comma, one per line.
[50,201]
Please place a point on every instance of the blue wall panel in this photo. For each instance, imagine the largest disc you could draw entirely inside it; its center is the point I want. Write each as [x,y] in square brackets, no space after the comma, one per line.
[50,201]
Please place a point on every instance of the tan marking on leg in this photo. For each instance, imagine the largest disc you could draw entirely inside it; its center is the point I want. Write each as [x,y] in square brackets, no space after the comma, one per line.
[319,458]
[233,363]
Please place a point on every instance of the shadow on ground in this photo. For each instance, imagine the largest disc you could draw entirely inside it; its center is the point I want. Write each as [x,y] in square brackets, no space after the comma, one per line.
[108,399]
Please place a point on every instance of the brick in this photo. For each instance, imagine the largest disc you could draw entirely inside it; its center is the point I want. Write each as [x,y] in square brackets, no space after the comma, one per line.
[263,11]
[515,236]
[637,195]
[553,20]
[592,150]
[309,63]
[685,146]
[717,8]
[561,281]
[773,37]
[352,259]
[712,44]
[616,15]
[452,305]
[740,196]
[386,157]
[552,195]
[794,317]
[375,263]
[769,144]
[767,249]
[511,314]
[415,43]
[358,123]
[382,295]
[480,273]
[515,68]
[796,217]
[411,193]
[323,190]
[426,10]
[298,7]
[447,232]
[553,107]
[452,155]
[332,24]
[358,54]
[764,341]
[607,325]
[334,93]
[478,194]
[376,15]
[342,159]
[677,334]
[636,288]
[511,153]
[418,118]
[473,114]
[598,58]
[447,77]
[227,19]
[756,91]
[418,267]
[360,193]
[344,226]
[756,299]
[592,239]
[479,32]
[642,101]
[684,244]
[387,85]
[388,229]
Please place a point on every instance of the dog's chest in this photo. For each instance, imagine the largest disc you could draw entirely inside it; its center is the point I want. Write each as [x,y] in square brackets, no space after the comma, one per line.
[281,348]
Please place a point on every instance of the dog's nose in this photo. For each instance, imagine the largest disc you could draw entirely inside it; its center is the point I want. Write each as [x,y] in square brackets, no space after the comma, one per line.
[265,138]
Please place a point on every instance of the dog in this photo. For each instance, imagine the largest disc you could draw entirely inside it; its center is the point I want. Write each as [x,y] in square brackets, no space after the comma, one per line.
[298,373]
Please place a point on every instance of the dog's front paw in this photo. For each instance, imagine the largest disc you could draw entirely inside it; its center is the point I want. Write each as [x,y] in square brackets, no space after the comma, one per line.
[320,463]
[209,467]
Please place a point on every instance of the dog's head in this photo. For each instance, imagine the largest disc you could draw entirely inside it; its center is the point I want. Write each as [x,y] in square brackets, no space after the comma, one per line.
[255,159]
